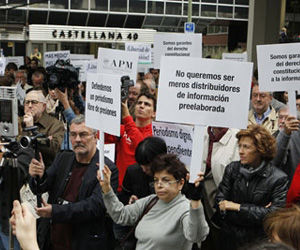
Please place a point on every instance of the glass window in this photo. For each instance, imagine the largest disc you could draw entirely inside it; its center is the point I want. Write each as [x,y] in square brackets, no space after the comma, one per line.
[58,18]
[242,2]
[195,9]
[153,20]
[118,5]
[79,4]
[170,21]
[51,47]
[137,6]
[155,7]
[208,10]
[59,4]
[241,13]
[99,5]
[37,17]
[76,48]
[226,1]
[209,1]
[116,20]
[134,22]
[97,20]
[77,19]
[173,8]
[16,16]
[225,11]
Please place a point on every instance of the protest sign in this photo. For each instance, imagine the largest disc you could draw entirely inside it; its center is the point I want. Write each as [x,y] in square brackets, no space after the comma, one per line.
[278,67]
[239,57]
[143,49]
[204,92]
[18,60]
[2,66]
[103,102]
[92,66]
[109,150]
[176,45]
[178,138]
[82,66]
[50,58]
[118,62]
[81,57]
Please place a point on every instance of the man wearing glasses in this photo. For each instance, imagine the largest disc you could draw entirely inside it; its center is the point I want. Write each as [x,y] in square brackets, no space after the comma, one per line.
[36,115]
[75,206]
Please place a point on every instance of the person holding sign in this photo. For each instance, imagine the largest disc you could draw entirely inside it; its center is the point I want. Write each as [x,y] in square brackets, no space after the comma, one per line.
[250,189]
[262,112]
[173,222]
[133,132]
[75,204]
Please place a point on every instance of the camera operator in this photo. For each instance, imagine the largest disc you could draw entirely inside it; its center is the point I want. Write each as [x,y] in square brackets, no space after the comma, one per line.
[133,132]
[75,206]
[36,115]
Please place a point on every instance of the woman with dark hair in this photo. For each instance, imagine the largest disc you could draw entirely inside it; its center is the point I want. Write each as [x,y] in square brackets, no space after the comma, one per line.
[250,189]
[136,183]
[173,222]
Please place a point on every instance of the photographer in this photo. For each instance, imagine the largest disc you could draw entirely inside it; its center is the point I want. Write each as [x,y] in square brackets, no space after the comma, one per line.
[35,115]
[133,132]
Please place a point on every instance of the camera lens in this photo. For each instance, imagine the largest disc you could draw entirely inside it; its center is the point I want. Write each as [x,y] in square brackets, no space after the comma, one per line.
[25,142]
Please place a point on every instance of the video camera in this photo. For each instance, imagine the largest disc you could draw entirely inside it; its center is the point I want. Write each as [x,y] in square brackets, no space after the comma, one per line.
[126,84]
[8,112]
[34,140]
[62,75]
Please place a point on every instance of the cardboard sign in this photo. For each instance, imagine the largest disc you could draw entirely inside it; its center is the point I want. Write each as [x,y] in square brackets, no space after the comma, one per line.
[178,138]
[239,57]
[176,45]
[2,66]
[118,62]
[82,66]
[143,49]
[103,103]
[81,57]
[50,58]
[92,66]
[204,92]
[278,67]
[18,60]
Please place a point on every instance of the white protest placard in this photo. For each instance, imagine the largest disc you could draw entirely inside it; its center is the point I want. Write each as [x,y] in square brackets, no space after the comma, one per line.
[18,60]
[178,138]
[118,62]
[92,66]
[204,92]
[109,150]
[82,66]
[144,50]
[103,103]
[50,58]
[81,57]
[176,45]
[278,67]
[239,57]
[2,66]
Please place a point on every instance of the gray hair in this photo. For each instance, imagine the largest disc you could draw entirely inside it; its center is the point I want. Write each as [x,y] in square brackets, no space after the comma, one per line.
[22,71]
[81,119]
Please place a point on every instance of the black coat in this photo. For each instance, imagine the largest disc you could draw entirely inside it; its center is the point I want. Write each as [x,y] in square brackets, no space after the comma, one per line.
[135,182]
[254,193]
[88,214]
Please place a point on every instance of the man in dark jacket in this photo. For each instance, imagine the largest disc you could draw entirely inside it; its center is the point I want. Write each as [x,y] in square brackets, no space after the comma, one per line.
[75,204]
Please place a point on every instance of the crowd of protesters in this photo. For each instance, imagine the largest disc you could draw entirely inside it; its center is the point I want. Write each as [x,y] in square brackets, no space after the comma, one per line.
[249,192]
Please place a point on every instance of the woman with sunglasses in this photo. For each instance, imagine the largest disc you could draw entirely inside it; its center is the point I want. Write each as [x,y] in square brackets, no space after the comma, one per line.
[174,222]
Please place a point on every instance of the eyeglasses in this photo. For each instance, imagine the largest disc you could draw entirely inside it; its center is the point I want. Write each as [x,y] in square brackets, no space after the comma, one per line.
[33,102]
[163,182]
[82,135]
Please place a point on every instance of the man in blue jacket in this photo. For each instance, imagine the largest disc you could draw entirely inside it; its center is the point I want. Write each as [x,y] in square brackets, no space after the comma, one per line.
[75,206]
